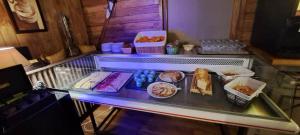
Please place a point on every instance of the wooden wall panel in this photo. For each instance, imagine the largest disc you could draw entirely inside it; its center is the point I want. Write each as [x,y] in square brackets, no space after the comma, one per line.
[136,3]
[94,12]
[138,10]
[129,18]
[46,43]
[243,19]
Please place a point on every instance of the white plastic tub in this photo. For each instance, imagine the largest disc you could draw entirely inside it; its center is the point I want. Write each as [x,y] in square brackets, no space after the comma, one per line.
[150,47]
[239,71]
[256,85]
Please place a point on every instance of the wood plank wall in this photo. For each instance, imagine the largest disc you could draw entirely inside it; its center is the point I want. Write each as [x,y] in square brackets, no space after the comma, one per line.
[49,42]
[94,13]
[88,16]
[243,19]
[129,18]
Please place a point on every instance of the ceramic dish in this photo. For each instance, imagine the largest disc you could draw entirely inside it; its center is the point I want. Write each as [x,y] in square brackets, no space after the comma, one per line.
[161,90]
[188,47]
[231,72]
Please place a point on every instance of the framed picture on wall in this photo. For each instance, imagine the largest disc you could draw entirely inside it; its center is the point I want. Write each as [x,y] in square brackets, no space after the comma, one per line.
[25,15]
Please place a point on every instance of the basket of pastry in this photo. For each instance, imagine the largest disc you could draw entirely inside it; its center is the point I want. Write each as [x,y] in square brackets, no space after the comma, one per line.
[150,42]
[201,82]
[242,90]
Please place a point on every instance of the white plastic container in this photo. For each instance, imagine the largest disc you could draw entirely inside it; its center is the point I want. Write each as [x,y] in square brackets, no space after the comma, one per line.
[237,70]
[256,85]
[150,47]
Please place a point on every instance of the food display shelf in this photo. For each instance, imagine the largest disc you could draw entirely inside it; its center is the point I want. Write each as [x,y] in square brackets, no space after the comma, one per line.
[184,98]
[262,113]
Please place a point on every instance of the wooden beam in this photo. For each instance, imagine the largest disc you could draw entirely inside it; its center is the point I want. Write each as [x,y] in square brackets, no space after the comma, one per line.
[164,10]
[273,60]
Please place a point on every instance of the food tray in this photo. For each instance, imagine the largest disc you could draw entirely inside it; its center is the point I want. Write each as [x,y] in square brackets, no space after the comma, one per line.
[93,79]
[150,47]
[240,98]
[113,83]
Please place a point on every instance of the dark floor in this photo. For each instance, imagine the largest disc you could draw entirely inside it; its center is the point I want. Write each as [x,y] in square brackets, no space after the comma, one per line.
[129,122]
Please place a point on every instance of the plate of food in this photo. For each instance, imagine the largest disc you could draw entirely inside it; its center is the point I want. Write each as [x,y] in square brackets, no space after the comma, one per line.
[171,76]
[162,90]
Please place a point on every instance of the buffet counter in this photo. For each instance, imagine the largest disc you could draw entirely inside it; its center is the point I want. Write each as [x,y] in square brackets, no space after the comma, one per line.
[269,110]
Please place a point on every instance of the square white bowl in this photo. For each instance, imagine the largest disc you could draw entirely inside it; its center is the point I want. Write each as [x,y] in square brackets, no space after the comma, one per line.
[256,85]
[240,71]
[150,34]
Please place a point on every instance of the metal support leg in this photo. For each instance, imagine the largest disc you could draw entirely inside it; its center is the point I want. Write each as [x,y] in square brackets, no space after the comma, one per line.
[242,131]
[107,119]
[223,129]
[91,114]
[92,117]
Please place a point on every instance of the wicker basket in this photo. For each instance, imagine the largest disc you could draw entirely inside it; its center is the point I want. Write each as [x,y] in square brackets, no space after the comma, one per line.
[239,98]
[150,47]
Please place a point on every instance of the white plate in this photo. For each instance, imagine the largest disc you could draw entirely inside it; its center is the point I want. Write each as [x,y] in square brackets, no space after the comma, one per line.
[182,77]
[149,90]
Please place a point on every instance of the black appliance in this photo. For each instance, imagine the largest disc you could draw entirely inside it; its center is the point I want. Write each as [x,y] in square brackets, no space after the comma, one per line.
[25,52]
[34,112]
[276,28]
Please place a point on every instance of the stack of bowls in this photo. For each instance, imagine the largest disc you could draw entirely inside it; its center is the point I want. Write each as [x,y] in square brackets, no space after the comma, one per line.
[117,47]
[112,47]
[106,47]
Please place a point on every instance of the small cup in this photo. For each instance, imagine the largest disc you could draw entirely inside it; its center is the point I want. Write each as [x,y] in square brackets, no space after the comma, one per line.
[150,76]
[146,72]
[139,71]
[126,50]
[150,79]
[172,50]
[136,78]
[143,76]
[188,47]
[136,74]
[152,72]
[138,84]
[143,79]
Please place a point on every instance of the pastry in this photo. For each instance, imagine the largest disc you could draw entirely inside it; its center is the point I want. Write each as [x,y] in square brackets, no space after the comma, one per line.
[203,81]
[171,76]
